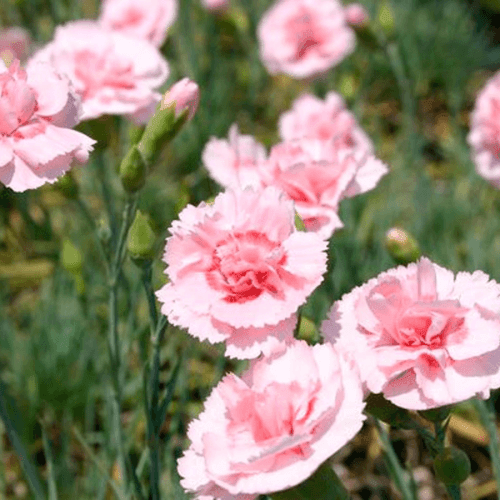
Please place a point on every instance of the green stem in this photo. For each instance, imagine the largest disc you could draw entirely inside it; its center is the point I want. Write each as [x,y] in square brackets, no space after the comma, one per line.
[24,459]
[394,467]
[487,414]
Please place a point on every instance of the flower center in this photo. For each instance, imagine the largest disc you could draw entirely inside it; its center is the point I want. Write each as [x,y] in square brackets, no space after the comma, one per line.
[17,100]
[303,31]
[246,265]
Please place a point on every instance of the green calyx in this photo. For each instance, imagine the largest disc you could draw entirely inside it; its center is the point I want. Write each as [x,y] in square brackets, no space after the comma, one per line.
[141,241]
[133,170]
[452,466]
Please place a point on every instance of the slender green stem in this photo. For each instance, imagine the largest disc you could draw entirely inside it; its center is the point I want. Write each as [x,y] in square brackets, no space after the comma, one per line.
[25,461]
[394,467]
[487,414]
[50,463]
[146,276]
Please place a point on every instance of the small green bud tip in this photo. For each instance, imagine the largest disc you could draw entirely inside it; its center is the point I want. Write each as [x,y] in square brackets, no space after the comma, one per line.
[67,186]
[452,466]
[402,247]
[133,170]
[386,18]
[299,223]
[71,257]
[141,238]
[436,414]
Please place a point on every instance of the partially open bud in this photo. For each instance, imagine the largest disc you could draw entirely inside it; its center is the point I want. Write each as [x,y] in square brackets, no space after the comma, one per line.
[185,95]
[141,239]
[452,466]
[133,170]
[356,15]
[402,246]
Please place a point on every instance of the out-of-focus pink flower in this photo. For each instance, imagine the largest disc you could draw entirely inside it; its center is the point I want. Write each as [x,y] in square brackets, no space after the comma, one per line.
[233,162]
[271,429]
[304,37]
[420,335]
[239,270]
[113,73]
[215,4]
[14,43]
[356,14]
[148,20]
[185,94]
[37,107]
[317,176]
[484,135]
[327,120]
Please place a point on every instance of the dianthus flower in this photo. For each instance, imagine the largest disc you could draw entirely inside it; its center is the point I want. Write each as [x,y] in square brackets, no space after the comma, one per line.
[113,73]
[239,270]
[233,163]
[272,428]
[147,20]
[484,136]
[317,176]
[420,335]
[304,37]
[37,107]
[328,120]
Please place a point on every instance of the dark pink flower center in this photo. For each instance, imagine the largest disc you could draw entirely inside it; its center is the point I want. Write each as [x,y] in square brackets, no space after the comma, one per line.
[17,100]
[303,33]
[245,265]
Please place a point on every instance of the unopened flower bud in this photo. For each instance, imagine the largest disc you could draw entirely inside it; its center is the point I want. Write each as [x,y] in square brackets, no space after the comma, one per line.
[67,186]
[356,15]
[452,466]
[381,408]
[299,223]
[141,239]
[386,18]
[71,257]
[402,246]
[133,170]
[184,95]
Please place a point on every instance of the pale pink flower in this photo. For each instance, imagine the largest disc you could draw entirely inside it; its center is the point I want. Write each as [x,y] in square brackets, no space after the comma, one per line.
[356,14]
[37,107]
[420,335]
[113,73]
[484,136]
[272,428]
[233,162]
[317,176]
[304,37]
[327,120]
[185,94]
[14,43]
[148,20]
[215,4]
[239,270]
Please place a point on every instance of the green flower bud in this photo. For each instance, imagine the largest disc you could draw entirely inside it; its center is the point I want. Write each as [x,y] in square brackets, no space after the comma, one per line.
[67,186]
[308,330]
[299,223]
[71,257]
[141,239]
[133,170]
[381,408]
[386,18]
[452,466]
[402,246]
[436,414]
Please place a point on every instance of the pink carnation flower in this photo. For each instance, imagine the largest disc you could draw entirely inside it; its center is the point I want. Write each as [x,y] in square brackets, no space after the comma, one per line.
[271,429]
[113,73]
[37,107]
[317,176]
[239,270]
[14,43]
[420,335]
[233,162]
[328,120]
[356,14]
[484,136]
[147,20]
[304,37]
